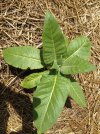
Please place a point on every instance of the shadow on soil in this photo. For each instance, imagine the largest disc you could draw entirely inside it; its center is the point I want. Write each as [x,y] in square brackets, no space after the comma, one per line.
[23,106]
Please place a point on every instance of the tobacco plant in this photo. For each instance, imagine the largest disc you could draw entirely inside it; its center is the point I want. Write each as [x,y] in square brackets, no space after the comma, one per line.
[56,61]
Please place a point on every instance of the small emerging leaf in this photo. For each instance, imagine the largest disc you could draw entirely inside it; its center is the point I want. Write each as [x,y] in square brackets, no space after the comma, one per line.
[74,65]
[52,92]
[76,93]
[23,57]
[55,66]
[33,80]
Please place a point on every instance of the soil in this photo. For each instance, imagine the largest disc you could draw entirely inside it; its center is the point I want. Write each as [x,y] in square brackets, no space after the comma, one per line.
[21,23]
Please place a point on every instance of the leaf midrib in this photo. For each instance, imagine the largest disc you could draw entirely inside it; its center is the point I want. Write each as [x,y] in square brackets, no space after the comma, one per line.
[50,99]
[73,53]
[55,58]
[25,57]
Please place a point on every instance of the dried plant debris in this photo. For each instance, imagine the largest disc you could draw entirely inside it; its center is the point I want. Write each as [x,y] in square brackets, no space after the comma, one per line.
[21,23]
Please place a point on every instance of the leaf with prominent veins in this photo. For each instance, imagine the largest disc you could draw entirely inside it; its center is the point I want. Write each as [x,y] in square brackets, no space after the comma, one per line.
[23,57]
[80,47]
[54,43]
[52,92]
[74,65]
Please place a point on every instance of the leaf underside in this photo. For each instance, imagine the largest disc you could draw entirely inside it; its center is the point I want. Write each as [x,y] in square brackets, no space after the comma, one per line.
[53,93]
[33,80]
[54,43]
[23,57]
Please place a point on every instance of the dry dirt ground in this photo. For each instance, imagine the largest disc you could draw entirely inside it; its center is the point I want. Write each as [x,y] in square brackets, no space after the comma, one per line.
[21,23]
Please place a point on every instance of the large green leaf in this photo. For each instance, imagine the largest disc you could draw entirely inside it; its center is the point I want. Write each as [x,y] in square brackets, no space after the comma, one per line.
[23,57]
[74,65]
[80,47]
[53,93]
[54,43]
[33,80]
[76,92]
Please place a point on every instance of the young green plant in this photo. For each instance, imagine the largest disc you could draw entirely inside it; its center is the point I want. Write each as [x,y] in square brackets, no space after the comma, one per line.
[60,57]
